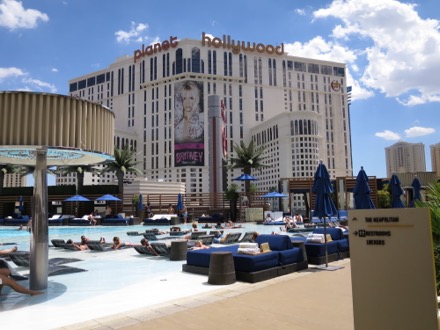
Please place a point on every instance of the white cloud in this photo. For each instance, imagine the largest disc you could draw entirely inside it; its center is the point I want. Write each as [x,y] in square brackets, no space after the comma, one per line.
[14,16]
[133,35]
[300,12]
[388,135]
[38,85]
[418,131]
[54,70]
[403,50]
[6,73]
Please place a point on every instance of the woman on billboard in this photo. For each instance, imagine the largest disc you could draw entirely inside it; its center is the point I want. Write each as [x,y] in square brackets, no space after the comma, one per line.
[189,124]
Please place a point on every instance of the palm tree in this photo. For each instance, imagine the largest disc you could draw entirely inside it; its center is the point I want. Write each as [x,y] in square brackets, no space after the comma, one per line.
[125,162]
[79,170]
[247,157]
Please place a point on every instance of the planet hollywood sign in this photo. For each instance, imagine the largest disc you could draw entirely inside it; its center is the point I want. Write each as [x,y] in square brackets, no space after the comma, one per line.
[226,42]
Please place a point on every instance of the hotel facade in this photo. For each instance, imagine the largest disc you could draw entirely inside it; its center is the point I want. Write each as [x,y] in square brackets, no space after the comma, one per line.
[297,108]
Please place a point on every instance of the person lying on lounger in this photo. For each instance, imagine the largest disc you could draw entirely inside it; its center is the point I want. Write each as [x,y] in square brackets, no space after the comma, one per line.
[117,244]
[6,280]
[198,245]
[7,251]
[145,243]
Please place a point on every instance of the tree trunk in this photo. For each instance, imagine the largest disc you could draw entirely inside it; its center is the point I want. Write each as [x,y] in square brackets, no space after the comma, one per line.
[233,209]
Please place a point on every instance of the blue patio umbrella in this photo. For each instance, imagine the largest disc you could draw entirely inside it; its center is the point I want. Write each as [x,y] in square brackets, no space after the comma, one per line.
[416,185]
[273,194]
[324,206]
[245,177]
[362,198]
[396,192]
[108,198]
[77,198]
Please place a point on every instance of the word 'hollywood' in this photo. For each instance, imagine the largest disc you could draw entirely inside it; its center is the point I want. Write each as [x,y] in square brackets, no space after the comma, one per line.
[226,42]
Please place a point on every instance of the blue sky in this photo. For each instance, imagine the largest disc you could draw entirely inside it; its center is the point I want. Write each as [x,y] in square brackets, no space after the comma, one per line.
[391,48]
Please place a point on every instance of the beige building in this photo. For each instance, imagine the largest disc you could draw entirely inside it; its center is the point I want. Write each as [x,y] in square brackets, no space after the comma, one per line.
[296,107]
[405,157]
[435,158]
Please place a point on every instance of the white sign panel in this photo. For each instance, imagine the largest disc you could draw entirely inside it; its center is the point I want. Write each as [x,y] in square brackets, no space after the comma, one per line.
[392,269]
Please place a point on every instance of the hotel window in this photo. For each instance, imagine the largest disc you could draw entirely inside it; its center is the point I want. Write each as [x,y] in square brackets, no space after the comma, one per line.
[179,61]
[195,57]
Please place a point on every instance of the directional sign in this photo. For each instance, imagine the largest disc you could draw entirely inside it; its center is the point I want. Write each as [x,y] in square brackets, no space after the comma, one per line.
[392,269]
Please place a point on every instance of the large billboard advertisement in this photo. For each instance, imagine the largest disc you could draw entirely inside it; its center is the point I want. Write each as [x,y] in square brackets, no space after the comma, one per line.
[189,124]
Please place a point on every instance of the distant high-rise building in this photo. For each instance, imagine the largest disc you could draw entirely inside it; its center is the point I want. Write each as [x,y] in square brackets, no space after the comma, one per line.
[404,157]
[435,158]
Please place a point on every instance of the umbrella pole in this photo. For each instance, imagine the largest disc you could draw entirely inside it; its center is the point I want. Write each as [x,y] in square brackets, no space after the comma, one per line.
[325,243]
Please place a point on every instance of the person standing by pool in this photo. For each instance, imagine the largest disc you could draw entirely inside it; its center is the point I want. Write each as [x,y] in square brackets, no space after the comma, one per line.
[108,211]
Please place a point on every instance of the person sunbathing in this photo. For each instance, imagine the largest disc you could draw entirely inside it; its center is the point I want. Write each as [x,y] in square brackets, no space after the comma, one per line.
[117,244]
[7,251]
[6,280]
[198,245]
[145,243]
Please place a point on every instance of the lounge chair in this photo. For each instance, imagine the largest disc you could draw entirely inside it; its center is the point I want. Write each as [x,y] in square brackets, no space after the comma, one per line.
[207,239]
[143,250]
[161,249]
[97,246]
[231,238]
[247,237]
[150,236]
[197,234]
[20,258]
[58,242]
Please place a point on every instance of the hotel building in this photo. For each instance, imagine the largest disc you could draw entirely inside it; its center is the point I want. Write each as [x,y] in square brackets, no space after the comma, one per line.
[297,108]
[435,158]
[405,157]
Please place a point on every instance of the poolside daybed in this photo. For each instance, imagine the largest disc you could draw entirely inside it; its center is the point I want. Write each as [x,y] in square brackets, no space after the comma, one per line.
[118,221]
[283,258]
[16,220]
[337,248]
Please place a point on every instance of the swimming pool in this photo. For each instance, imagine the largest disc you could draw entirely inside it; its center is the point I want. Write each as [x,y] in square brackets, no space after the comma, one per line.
[114,281]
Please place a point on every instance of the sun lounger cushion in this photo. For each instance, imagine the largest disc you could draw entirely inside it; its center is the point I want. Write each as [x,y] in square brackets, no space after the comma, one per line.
[254,263]
[276,242]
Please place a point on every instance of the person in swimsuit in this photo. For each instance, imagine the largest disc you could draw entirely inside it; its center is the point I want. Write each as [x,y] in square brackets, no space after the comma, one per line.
[6,280]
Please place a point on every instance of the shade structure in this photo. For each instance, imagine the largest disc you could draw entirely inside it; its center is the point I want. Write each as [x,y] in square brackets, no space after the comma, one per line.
[179,205]
[245,177]
[108,198]
[77,198]
[396,192]
[324,206]
[362,198]
[416,185]
[274,194]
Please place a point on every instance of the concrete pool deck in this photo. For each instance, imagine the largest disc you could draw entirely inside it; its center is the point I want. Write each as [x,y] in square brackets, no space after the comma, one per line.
[310,299]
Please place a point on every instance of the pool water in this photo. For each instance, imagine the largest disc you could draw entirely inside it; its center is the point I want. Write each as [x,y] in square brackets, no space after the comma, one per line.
[114,281]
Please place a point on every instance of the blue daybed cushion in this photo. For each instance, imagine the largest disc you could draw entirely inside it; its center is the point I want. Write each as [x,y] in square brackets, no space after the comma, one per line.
[290,256]
[276,242]
[318,250]
[250,263]
[201,258]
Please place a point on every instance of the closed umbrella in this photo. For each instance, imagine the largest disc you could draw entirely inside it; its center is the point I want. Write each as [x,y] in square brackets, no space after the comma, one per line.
[362,198]
[324,206]
[416,185]
[140,205]
[179,205]
[396,192]
[21,204]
